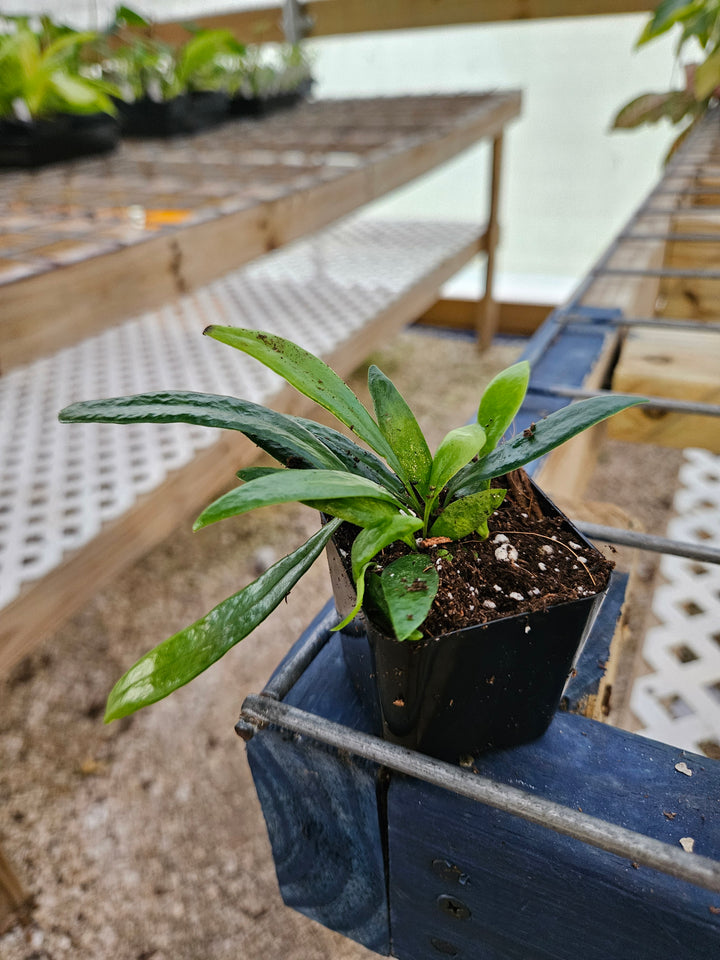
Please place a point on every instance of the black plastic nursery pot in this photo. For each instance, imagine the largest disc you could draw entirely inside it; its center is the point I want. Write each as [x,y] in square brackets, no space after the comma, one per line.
[61,137]
[208,108]
[489,686]
[241,106]
[150,118]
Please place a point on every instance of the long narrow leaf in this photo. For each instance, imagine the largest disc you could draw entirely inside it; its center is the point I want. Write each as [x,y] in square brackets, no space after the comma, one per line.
[279,435]
[361,511]
[356,458]
[501,401]
[287,486]
[312,377]
[400,429]
[183,656]
[547,434]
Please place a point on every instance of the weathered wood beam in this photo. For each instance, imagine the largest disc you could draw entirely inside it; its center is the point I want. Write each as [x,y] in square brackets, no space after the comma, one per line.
[517,319]
[336,17]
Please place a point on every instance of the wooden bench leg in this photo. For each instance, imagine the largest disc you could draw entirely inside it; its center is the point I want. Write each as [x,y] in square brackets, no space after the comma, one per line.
[488,314]
[14,900]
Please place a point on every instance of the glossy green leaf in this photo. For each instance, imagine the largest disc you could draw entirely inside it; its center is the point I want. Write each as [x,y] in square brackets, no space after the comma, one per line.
[547,434]
[368,543]
[278,434]
[468,515]
[312,377]
[455,451]
[253,473]
[287,486]
[357,459]
[401,429]
[362,511]
[501,401]
[409,585]
[183,656]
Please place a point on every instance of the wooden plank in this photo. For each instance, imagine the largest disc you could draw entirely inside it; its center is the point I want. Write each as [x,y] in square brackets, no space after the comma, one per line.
[565,472]
[521,892]
[682,365]
[516,319]
[45,604]
[693,298]
[331,17]
[636,296]
[488,314]
[147,274]
[15,902]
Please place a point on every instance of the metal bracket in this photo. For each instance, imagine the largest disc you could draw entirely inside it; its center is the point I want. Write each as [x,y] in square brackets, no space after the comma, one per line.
[296,23]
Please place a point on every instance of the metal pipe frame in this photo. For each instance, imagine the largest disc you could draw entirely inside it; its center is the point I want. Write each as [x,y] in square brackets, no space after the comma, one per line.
[709,326]
[668,404]
[649,542]
[258,711]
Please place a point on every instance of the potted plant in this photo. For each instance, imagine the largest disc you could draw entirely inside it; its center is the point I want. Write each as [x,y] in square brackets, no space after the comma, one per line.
[700,23]
[270,78]
[50,110]
[433,543]
[164,90]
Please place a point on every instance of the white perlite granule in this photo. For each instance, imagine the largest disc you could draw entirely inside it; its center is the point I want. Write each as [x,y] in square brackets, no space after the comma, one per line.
[506,551]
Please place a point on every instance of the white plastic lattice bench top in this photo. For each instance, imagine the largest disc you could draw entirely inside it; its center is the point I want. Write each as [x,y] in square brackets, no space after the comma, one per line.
[67,490]
[678,702]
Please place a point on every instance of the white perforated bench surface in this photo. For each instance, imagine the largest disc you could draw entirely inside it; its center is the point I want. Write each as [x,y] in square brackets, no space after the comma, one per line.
[61,482]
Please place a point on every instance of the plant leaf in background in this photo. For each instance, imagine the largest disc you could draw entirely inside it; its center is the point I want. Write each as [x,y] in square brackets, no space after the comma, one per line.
[183,656]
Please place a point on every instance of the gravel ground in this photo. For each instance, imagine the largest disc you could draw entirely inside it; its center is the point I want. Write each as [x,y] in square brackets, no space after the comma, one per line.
[144,840]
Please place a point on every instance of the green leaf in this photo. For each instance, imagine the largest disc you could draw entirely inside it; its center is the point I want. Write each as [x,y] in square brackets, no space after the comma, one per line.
[666,15]
[547,434]
[286,486]
[455,451]
[278,434]
[409,585]
[355,458]
[368,543]
[468,515]
[183,656]
[652,107]
[401,429]
[313,378]
[707,76]
[362,511]
[252,473]
[501,401]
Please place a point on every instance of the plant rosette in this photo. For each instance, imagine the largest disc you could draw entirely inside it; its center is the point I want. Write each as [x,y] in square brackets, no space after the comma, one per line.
[399,495]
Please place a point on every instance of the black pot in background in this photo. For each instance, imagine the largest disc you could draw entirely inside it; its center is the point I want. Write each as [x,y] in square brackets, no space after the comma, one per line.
[488,686]
[151,118]
[51,140]
[208,108]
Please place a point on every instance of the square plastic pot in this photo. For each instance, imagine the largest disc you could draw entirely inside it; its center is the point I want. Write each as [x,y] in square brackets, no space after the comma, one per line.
[57,138]
[489,686]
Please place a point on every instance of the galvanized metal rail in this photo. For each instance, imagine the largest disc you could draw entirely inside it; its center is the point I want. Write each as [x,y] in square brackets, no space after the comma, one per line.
[259,710]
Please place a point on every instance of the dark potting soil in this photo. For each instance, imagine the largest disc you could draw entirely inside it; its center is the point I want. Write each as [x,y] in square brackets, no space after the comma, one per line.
[528,562]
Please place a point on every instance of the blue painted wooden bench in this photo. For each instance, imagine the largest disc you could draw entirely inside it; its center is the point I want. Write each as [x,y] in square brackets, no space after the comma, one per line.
[417,870]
